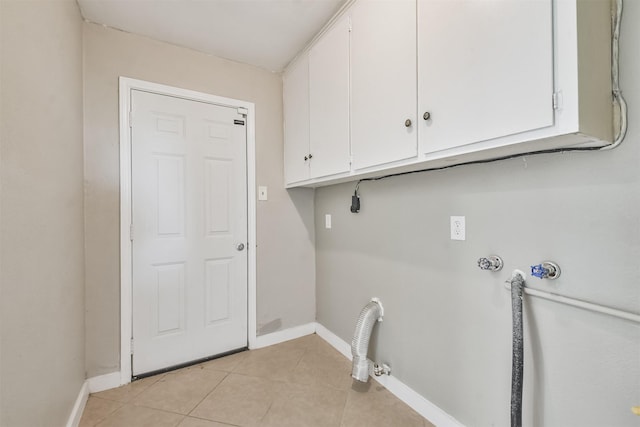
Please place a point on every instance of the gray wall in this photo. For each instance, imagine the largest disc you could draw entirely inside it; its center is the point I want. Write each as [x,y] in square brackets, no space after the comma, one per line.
[446,331]
[285,257]
[41,214]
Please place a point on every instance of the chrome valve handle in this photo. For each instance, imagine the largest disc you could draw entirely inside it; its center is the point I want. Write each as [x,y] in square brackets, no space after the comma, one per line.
[491,263]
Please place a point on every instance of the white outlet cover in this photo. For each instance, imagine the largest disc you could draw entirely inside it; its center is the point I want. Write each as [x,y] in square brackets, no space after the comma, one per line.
[458,229]
[327,221]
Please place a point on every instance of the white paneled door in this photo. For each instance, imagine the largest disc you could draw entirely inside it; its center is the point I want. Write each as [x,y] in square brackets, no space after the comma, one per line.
[189,232]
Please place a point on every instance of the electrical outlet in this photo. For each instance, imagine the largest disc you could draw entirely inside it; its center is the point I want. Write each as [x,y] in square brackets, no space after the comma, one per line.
[458,230]
[327,221]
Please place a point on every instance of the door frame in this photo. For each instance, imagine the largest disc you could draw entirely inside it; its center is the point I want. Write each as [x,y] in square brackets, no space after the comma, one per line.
[126,267]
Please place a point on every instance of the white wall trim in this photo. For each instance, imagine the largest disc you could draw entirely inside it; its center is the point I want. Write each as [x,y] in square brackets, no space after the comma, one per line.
[284,335]
[78,407]
[335,341]
[126,86]
[104,382]
[402,391]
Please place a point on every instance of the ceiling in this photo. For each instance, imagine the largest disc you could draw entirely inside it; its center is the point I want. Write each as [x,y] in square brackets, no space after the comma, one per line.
[264,33]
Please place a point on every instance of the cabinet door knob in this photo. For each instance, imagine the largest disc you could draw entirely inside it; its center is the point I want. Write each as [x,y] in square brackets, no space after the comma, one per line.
[306,158]
[310,156]
[426,115]
[407,122]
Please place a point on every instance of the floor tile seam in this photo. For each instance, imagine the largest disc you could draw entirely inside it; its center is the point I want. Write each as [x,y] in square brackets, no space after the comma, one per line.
[261,419]
[327,386]
[101,419]
[105,398]
[286,381]
[94,424]
[208,394]
[304,353]
[261,378]
[167,412]
[344,410]
[133,397]
[214,421]
[124,402]
[138,405]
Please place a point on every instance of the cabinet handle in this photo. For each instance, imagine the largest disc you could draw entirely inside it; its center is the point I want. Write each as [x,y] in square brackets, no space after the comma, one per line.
[407,122]
[310,156]
[306,158]
[426,115]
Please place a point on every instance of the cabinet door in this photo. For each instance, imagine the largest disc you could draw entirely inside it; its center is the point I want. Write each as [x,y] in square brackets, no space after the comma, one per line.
[383,82]
[296,121]
[329,101]
[484,70]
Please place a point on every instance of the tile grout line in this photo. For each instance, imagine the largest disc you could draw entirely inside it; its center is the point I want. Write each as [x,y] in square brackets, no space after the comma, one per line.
[227,373]
[140,406]
[344,410]
[213,421]
[108,415]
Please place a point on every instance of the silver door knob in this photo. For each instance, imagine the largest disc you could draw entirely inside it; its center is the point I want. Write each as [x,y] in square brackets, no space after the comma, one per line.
[426,115]
[407,122]
[240,246]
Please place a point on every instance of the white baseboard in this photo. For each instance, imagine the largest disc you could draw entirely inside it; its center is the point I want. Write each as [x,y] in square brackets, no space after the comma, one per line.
[403,392]
[335,341]
[78,407]
[104,382]
[284,335]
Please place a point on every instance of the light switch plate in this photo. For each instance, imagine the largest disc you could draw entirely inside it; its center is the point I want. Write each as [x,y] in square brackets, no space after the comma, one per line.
[327,221]
[262,193]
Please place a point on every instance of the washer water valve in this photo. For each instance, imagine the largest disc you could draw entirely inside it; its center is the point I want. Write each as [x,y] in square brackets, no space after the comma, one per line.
[546,270]
[491,263]
[380,370]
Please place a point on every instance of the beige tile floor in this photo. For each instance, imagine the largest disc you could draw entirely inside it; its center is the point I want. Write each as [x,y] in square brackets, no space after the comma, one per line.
[304,382]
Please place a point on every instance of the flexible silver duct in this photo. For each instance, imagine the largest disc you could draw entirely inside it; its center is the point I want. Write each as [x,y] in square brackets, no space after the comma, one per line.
[370,314]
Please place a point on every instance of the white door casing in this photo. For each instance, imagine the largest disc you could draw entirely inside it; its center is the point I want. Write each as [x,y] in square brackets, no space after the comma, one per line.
[172,265]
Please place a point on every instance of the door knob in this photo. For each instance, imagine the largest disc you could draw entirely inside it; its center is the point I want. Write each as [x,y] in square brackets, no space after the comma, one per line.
[240,246]
[426,115]
[407,122]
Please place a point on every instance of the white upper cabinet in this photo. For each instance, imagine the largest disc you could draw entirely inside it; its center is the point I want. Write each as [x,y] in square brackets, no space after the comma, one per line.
[383,82]
[485,70]
[404,85]
[296,121]
[329,102]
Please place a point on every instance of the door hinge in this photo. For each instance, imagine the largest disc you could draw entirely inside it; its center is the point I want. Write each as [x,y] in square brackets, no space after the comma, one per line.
[557,100]
[131,232]
[132,346]
[243,111]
